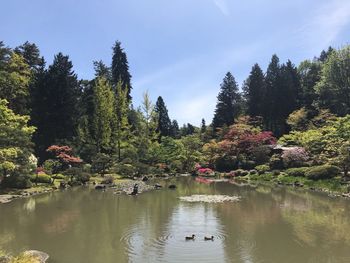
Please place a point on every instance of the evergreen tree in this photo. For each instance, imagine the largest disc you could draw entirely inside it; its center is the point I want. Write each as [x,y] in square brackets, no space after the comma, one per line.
[271,94]
[101,70]
[325,54]
[57,101]
[203,126]
[228,106]
[254,88]
[31,54]
[164,123]
[120,69]
[175,130]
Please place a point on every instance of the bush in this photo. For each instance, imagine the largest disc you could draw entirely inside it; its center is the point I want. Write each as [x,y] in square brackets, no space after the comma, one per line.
[297,172]
[176,166]
[295,157]
[276,172]
[125,169]
[262,168]
[322,172]
[247,164]
[253,171]
[51,166]
[42,178]
[58,176]
[108,180]
[16,181]
[276,162]
[82,177]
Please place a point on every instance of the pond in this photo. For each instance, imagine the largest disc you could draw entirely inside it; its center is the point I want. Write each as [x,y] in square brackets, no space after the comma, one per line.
[266,225]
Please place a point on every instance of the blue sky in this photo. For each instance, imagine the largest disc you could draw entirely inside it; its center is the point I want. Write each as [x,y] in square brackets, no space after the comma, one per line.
[179,49]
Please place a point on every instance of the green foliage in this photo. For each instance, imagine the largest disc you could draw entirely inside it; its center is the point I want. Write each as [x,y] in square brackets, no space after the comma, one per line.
[262,168]
[322,172]
[42,178]
[15,76]
[15,145]
[59,176]
[51,166]
[276,162]
[334,85]
[16,181]
[297,172]
[164,123]
[228,106]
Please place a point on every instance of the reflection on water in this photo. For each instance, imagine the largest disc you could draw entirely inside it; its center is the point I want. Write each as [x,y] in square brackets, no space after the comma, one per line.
[267,225]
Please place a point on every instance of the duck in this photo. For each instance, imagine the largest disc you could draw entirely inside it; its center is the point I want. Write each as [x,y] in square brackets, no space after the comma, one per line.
[191,237]
[209,238]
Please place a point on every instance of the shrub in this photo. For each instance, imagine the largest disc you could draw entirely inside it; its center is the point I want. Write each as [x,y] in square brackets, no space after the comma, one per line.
[247,164]
[253,171]
[16,181]
[126,169]
[205,171]
[297,172]
[58,176]
[276,172]
[82,177]
[262,168]
[276,162]
[42,178]
[322,172]
[176,166]
[295,157]
[108,180]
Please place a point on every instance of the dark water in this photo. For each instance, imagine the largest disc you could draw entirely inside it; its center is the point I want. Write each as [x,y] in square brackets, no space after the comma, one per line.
[267,225]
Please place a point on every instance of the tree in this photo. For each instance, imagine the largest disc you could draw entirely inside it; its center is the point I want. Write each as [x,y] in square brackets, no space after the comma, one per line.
[203,126]
[101,70]
[104,115]
[334,87]
[164,123]
[15,76]
[121,129]
[57,105]
[15,142]
[31,54]
[310,75]
[228,106]
[120,69]
[254,88]
[174,130]
[272,81]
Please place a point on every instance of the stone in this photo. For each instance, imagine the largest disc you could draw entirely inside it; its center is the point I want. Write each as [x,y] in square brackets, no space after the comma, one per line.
[5,259]
[41,256]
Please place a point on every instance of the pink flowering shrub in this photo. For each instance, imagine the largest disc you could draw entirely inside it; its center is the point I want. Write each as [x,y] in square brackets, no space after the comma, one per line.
[294,157]
[205,171]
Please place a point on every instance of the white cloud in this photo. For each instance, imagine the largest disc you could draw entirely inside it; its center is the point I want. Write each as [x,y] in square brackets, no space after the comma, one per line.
[325,24]
[223,6]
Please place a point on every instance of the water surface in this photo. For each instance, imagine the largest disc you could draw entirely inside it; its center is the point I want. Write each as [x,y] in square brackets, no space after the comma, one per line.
[267,225]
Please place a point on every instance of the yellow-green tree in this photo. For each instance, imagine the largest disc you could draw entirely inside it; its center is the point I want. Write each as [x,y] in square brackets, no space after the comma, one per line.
[15,142]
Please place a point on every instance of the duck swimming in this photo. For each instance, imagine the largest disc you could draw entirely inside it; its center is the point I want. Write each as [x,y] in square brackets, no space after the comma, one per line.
[190,238]
[209,238]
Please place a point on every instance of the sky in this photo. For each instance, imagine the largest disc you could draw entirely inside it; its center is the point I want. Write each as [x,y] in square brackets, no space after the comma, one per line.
[179,49]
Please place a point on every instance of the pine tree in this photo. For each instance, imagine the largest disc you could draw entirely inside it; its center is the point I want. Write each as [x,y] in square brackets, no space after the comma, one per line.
[203,126]
[164,123]
[57,102]
[254,88]
[120,69]
[31,54]
[175,130]
[101,70]
[228,106]
[271,94]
